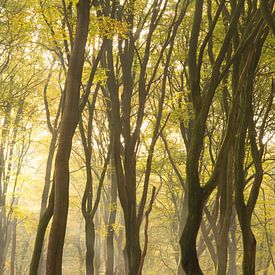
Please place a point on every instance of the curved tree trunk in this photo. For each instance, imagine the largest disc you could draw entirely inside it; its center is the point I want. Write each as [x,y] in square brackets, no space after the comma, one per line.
[201,101]
[67,128]
[46,212]
[249,257]
[189,258]
[40,234]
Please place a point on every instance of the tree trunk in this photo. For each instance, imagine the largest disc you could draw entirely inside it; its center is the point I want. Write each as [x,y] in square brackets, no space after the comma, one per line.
[40,235]
[47,182]
[97,250]
[132,249]
[225,216]
[120,270]
[68,125]
[245,125]
[4,249]
[189,258]
[45,213]
[249,250]
[183,217]
[111,222]
[90,242]
[233,246]
[13,248]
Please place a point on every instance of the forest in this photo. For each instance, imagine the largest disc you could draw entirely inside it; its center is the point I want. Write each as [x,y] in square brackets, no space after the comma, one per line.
[137,137]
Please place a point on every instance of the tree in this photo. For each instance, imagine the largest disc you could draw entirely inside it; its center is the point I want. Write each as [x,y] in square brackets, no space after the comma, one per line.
[102,102]
[68,125]
[125,153]
[202,100]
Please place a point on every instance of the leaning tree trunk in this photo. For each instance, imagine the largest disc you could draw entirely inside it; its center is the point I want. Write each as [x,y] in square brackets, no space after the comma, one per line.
[249,250]
[40,234]
[46,213]
[45,196]
[67,128]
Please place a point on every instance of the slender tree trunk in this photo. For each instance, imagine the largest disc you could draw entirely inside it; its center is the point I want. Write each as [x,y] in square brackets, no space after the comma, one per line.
[233,246]
[97,249]
[4,249]
[225,216]
[40,234]
[112,218]
[89,223]
[2,262]
[47,182]
[13,248]
[45,213]
[245,127]
[120,268]
[146,226]
[249,242]
[4,223]
[182,221]
[68,125]
[90,242]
